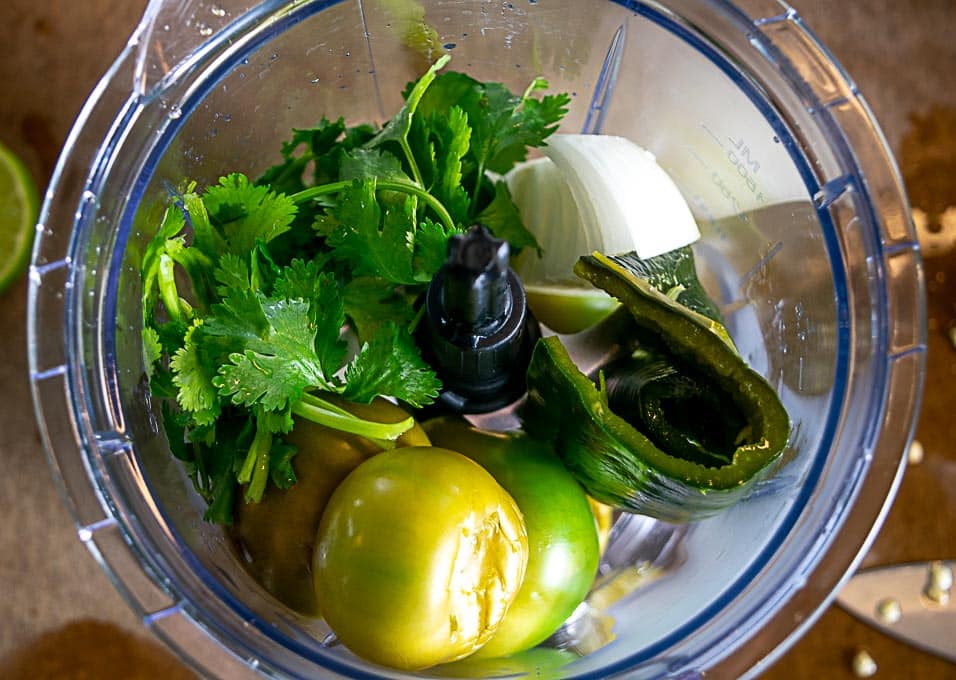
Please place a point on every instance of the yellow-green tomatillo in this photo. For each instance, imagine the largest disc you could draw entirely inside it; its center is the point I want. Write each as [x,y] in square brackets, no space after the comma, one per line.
[420,553]
[276,536]
[562,534]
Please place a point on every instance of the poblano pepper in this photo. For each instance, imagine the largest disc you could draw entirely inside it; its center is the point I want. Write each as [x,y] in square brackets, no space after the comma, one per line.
[679,427]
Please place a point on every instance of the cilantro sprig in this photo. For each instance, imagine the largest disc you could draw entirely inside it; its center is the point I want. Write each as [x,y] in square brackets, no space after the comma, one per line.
[274,300]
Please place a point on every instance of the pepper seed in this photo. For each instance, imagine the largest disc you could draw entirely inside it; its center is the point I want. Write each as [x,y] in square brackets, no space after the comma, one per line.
[914,455]
[939,582]
[888,610]
[863,664]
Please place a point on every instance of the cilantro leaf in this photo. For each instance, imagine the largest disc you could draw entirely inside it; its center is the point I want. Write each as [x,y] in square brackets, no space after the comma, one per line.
[390,364]
[152,350]
[171,335]
[279,363]
[325,146]
[431,248]
[246,213]
[501,216]
[452,138]
[375,240]
[364,163]
[396,129]
[197,393]
[234,323]
[232,273]
[502,124]
[372,301]
[531,122]
[305,280]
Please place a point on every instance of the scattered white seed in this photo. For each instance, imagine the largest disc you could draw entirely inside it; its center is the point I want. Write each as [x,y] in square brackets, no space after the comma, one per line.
[863,664]
[888,610]
[915,454]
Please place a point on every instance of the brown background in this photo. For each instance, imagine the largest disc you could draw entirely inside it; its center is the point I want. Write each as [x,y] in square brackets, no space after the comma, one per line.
[903,57]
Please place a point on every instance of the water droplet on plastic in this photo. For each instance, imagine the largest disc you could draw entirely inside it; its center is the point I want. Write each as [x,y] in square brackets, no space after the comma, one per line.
[174,112]
[89,196]
[205,30]
[217,11]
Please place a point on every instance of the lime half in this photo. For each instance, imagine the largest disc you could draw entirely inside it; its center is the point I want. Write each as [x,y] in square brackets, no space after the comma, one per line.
[568,308]
[18,214]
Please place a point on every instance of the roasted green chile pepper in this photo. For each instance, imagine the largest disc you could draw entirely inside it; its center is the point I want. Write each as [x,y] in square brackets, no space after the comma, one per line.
[700,427]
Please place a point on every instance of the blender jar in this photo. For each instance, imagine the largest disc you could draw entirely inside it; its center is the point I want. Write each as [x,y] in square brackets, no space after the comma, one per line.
[807,246]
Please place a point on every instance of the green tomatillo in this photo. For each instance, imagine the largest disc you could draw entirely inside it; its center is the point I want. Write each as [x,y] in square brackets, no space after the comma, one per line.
[420,554]
[276,536]
[562,532]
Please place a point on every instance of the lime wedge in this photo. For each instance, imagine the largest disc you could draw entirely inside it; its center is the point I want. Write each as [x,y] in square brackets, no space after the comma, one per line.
[568,309]
[18,214]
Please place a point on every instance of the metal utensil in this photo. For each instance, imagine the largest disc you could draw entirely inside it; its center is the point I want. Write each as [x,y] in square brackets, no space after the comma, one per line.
[911,602]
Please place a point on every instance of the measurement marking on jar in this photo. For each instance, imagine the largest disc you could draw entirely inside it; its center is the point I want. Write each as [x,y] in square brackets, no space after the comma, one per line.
[741,158]
[747,167]
[712,134]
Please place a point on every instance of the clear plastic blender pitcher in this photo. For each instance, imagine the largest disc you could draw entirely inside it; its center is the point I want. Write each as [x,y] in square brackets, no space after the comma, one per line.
[807,246]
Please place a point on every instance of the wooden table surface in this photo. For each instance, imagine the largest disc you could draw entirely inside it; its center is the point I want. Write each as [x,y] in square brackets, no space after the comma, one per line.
[902,55]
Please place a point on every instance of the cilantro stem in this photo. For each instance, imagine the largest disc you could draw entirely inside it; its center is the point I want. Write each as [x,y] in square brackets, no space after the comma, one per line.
[261,442]
[167,287]
[477,189]
[416,173]
[383,185]
[416,319]
[260,474]
[220,499]
[320,411]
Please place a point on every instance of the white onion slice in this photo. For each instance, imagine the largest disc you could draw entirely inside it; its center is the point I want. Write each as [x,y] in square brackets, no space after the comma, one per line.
[597,192]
